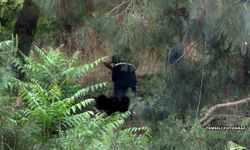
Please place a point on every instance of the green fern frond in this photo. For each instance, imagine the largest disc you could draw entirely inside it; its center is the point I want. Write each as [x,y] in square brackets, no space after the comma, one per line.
[89,89]
[41,116]
[55,65]
[34,67]
[54,92]
[40,92]
[81,105]
[78,71]
[31,98]
[46,106]
[135,129]
[98,120]
[59,108]
[72,134]
[40,52]
[142,131]
[25,112]
[8,51]
[114,122]
[233,146]
[73,121]
[75,58]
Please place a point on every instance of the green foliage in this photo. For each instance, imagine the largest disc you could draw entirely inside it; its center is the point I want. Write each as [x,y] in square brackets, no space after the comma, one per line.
[73,11]
[8,51]
[12,135]
[66,121]
[77,127]
[183,78]
[233,146]
[8,11]
[45,106]
[230,19]
[50,66]
[53,65]
[104,133]
[54,99]
[173,134]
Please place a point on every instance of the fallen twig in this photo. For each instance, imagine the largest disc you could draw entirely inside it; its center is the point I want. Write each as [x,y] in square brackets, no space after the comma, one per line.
[204,121]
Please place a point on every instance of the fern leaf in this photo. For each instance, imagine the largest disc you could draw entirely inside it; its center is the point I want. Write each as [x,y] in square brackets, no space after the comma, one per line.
[233,146]
[78,71]
[85,91]
[81,105]
[54,92]
[75,120]
[30,98]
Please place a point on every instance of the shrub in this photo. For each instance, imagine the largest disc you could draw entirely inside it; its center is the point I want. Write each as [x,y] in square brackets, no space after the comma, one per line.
[61,115]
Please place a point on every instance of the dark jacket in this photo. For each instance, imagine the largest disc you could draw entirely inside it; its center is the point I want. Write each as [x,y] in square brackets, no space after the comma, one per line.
[124,71]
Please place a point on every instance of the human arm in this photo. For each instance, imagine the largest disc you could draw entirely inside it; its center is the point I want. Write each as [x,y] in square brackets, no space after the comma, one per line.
[107,61]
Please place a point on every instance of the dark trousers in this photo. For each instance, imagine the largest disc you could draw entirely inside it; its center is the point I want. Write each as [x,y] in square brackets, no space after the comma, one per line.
[120,90]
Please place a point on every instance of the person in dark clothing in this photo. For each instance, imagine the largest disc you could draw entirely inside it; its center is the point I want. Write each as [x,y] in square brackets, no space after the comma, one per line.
[175,52]
[123,77]
[123,73]
[110,104]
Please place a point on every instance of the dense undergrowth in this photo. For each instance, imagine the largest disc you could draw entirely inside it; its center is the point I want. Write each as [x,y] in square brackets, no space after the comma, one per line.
[53,108]
[56,113]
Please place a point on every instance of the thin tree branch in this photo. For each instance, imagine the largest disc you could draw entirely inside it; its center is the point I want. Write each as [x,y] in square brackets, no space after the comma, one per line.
[117,7]
[131,2]
[189,49]
[210,119]
[202,80]
[220,106]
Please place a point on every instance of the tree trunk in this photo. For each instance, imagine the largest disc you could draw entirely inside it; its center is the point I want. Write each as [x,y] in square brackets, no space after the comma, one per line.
[90,8]
[25,28]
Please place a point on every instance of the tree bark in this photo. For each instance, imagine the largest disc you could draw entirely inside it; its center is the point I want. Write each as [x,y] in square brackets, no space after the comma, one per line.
[25,28]
[90,8]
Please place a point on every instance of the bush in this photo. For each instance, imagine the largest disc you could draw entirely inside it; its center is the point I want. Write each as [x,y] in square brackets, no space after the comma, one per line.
[173,134]
[61,115]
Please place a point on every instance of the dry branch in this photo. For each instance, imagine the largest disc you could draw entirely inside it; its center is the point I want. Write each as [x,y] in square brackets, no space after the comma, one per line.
[204,121]
[117,7]
[188,50]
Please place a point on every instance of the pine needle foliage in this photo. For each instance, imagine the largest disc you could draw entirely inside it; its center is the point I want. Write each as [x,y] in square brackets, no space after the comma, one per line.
[71,11]
[172,133]
[218,68]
